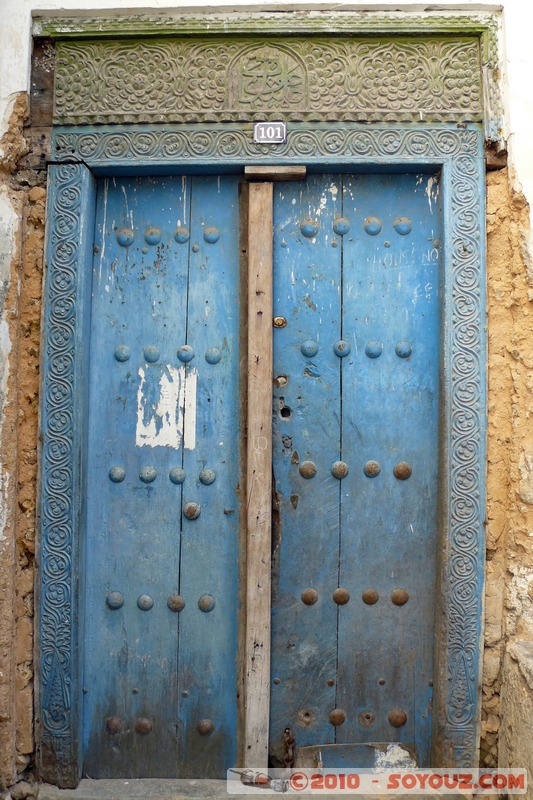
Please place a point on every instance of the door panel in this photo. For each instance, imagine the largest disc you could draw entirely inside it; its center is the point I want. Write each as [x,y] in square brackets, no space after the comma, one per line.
[354,562]
[307,276]
[160,683]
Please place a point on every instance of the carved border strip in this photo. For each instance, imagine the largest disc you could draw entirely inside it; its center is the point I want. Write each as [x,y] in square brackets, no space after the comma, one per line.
[70,215]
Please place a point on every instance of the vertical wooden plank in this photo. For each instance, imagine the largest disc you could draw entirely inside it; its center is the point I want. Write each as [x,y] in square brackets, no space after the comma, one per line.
[259,475]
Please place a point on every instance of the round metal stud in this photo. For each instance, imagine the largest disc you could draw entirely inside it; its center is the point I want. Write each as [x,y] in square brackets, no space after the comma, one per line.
[195,248]
[125,237]
[117,473]
[205,727]
[402,471]
[145,602]
[309,348]
[402,225]
[276,681]
[207,476]
[337,717]
[181,235]
[279,322]
[331,682]
[399,597]
[309,228]
[397,717]
[192,510]
[403,349]
[371,469]
[307,469]
[206,603]
[342,348]
[367,718]
[152,236]
[148,474]
[176,603]
[151,354]
[372,226]
[211,235]
[374,349]
[341,226]
[339,469]
[382,681]
[114,600]
[113,725]
[341,596]
[143,726]
[309,597]
[370,597]
[213,355]
[185,353]
[122,352]
[176,474]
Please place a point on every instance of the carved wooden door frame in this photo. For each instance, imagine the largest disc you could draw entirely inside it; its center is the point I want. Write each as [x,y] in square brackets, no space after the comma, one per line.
[82,154]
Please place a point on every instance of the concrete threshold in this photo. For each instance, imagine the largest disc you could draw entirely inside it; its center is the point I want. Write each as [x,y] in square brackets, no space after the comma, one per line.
[167,789]
[141,789]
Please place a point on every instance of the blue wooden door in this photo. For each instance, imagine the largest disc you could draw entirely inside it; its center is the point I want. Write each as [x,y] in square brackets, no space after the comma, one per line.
[356,384]
[162,512]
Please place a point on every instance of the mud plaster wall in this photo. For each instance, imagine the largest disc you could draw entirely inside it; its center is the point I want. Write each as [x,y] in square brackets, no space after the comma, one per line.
[509,582]
[509,596]
[21,296]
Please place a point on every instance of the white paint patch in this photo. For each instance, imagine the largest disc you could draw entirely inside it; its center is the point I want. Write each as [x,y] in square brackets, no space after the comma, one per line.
[167,412]
[432,192]
[189,431]
[394,757]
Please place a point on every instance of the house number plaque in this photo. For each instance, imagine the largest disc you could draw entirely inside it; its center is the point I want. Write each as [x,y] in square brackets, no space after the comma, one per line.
[270,132]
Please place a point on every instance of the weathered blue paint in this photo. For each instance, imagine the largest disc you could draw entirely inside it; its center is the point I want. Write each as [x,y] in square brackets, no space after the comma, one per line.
[357,294]
[222,149]
[150,535]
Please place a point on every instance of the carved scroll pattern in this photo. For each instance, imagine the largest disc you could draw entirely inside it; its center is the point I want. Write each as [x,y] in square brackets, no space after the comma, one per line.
[432,79]
[466,460]
[236,143]
[58,523]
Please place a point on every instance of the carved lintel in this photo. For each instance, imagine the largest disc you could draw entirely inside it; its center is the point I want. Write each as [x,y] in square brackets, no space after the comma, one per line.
[225,79]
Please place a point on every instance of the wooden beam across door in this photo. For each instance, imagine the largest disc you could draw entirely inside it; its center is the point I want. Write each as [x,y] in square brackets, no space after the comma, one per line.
[259,476]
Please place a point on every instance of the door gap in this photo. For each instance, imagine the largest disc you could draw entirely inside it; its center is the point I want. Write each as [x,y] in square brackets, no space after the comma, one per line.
[188,207]
[341,292]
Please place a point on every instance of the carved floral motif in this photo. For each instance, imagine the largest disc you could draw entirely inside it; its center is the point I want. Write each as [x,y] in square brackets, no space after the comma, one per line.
[233,79]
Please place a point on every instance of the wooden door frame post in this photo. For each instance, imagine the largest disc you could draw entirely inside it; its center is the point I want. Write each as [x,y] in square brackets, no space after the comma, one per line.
[258,476]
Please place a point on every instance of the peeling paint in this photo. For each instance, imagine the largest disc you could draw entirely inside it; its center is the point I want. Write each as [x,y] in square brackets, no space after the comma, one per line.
[396,756]
[166,407]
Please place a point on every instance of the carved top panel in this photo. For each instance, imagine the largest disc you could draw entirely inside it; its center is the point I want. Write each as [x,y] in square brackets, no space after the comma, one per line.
[215,79]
